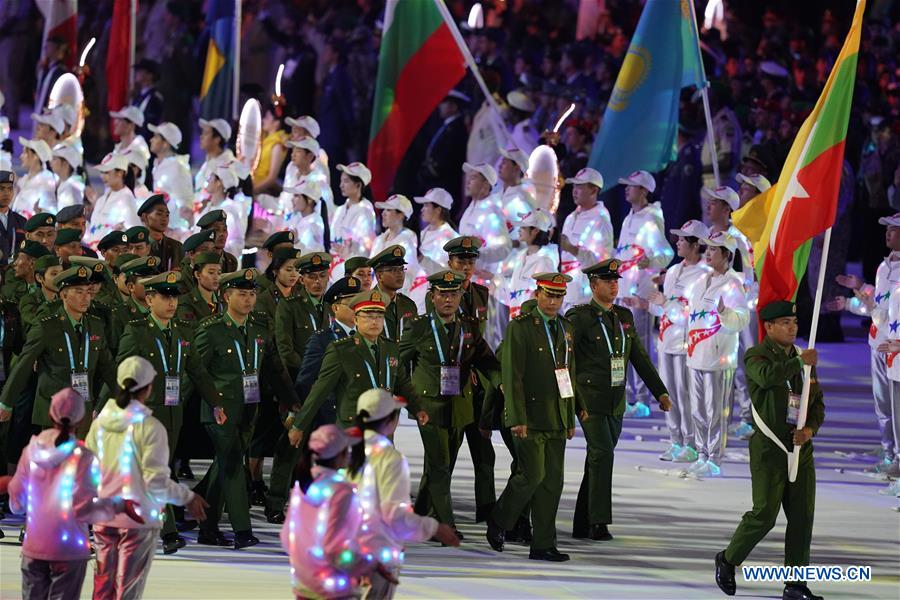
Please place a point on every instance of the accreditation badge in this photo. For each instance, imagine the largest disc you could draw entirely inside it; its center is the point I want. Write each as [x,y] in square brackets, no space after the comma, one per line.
[80,385]
[564,383]
[173,391]
[617,370]
[793,410]
[251,389]
[450,381]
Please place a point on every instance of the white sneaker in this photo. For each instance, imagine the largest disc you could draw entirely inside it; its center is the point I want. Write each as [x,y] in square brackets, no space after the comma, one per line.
[670,453]
[686,455]
[697,465]
[712,469]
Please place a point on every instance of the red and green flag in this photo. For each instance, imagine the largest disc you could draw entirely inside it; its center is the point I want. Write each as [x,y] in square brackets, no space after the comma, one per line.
[802,204]
[419,63]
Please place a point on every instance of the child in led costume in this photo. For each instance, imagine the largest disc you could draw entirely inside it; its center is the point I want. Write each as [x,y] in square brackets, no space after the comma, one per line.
[56,484]
[321,532]
[382,475]
[134,462]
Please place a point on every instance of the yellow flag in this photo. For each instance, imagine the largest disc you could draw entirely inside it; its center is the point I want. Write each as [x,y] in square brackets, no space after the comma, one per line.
[752,218]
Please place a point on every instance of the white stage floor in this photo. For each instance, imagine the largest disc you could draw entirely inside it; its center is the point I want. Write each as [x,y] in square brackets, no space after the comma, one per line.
[667,530]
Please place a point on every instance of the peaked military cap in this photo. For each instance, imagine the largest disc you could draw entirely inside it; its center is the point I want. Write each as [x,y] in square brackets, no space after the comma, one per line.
[141,267]
[345,287]
[98,267]
[312,262]
[465,245]
[552,283]
[245,279]
[392,256]
[79,275]
[168,283]
[447,280]
[279,237]
[355,262]
[605,269]
[207,258]
[371,301]
[45,262]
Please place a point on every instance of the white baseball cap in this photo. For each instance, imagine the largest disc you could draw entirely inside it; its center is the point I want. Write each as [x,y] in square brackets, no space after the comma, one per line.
[757,181]
[113,161]
[330,440]
[227,176]
[641,178]
[138,369]
[306,143]
[539,219]
[723,239]
[397,202]
[137,157]
[40,147]
[485,170]
[129,113]
[53,120]
[517,156]
[220,125]
[168,131]
[240,169]
[359,170]
[692,229]
[587,175]
[520,101]
[723,193]
[68,153]
[438,196]
[378,403]
[307,123]
[306,187]
[892,220]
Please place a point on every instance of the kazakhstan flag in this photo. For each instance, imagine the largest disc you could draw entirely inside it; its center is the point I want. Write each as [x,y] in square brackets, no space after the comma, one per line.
[217,89]
[640,124]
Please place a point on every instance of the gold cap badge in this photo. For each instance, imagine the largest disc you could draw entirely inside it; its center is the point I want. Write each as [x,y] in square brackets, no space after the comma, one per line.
[171,278]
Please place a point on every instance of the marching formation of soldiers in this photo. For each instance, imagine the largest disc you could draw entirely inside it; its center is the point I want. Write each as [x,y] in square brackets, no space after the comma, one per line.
[488,327]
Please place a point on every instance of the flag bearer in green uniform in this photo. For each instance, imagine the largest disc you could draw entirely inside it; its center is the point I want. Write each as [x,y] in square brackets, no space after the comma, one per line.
[390,271]
[154,214]
[775,370]
[538,371]
[215,221]
[233,351]
[443,348]
[301,315]
[168,344]
[69,348]
[604,342]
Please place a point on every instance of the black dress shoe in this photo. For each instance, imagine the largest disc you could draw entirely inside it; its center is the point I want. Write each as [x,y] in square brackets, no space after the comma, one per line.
[2,535]
[581,534]
[258,493]
[512,535]
[798,591]
[172,543]
[523,530]
[600,533]
[495,535]
[725,575]
[552,555]
[184,471]
[213,538]
[275,516]
[186,525]
[244,539]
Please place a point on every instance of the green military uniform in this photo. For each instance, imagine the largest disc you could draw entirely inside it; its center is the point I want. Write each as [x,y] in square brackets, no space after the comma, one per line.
[602,337]
[31,303]
[534,348]
[235,357]
[67,354]
[68,214]
[430,346]
[192,306]
[773,374]
[401,307]
[129,309]
[109,292]
[194,246]
[15,433]
[276,241]
[169,251]
[300,316]
[67,236]
[13,287]
[206,223]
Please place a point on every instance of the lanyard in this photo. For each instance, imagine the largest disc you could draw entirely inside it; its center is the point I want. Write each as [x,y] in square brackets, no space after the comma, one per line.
[606,335]
[437,342]
[553,349]
[312,320]
[162,356]
[387,366]
[237,348]
[72,354]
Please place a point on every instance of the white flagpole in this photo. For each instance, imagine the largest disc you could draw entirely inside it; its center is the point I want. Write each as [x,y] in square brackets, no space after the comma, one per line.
[470,61]
[794,461]
[236,84]
[132,25]
[710,135]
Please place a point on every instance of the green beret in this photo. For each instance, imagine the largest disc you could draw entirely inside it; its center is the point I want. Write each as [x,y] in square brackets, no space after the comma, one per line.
[193,242]
[210,218]
[168,283]
[465,245]
[285,254]
[112,239]
[40,220]
[447,280]
[354,263]
[45,262]
[137,234]
[244,279]
[98,267]
[33,249]
[79,275]
[279,237]
[152,201]
[777,309]
[312,262]
[122,260]
[141,267]
[391,256]
[206,258]
[67,236]
[605,269]
[345,287]
[69,213]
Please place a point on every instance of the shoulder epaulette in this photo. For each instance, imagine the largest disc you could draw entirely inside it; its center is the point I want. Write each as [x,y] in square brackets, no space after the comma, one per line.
[344,340]
[209,320]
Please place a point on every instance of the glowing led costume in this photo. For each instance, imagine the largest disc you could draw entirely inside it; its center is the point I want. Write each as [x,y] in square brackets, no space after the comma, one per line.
[592,231]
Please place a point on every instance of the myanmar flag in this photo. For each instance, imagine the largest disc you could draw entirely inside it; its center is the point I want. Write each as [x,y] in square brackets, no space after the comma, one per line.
[419,63]
[802,204]
[217,90]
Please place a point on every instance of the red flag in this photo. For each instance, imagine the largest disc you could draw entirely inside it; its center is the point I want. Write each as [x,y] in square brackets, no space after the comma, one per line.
[61,21]
[118,56]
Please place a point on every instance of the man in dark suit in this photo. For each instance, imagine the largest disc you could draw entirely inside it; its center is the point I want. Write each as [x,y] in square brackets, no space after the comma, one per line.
[446,152]
[12,224]
[52,67]
[335,112]
[146,96]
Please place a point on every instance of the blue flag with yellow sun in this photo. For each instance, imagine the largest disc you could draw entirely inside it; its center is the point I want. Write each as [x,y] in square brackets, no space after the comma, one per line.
[640,124]
[217,90]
